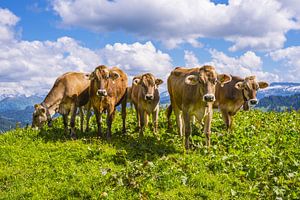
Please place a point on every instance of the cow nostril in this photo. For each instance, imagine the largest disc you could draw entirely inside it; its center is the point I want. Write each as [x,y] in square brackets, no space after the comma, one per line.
[209,98]
[253,101]
[149,97]
[101,93]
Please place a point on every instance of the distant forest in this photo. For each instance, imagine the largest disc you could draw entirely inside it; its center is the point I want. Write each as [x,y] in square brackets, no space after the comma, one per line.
[280,103]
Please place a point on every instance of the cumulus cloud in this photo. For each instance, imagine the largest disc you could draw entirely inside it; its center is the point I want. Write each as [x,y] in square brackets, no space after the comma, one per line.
[137,58]
[7,22]
[246,65]
[290,61]
[256,24]
[191,59]
[31,67]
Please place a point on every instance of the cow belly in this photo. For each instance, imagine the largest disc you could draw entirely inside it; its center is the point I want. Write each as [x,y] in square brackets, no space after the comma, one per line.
[64,108]
[199,113]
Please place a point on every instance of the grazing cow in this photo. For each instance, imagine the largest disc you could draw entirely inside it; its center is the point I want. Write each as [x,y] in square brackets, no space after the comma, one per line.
[235,94]
[70,91]
[192,94]
[145,98]
[108,90]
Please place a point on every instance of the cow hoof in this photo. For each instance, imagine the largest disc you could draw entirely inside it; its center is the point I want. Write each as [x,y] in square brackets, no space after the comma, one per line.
[73,136]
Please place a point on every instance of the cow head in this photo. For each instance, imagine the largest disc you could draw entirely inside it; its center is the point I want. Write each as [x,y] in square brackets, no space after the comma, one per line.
[40,116]
[207,78]
[148,84]
[101,78]
[249,89]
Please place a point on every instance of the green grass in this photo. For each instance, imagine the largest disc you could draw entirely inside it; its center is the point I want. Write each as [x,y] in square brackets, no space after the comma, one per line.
[259,159]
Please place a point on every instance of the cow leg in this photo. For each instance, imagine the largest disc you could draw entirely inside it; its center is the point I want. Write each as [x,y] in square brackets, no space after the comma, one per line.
[123,110]
[179,122]
[207,124]
[72,120]
[137,116]
[187,126]
[142,122]
[65,122]
[155,120]
[226,118]
[88,115]
[110,116]
[81,113]
[99,122]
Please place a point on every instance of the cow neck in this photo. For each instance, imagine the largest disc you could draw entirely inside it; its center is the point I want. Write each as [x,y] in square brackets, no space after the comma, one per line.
[49,119]
[52,100]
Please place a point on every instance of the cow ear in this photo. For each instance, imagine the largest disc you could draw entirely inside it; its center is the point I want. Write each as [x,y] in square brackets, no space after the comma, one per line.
[223,79]
[114,75]
[136,81]
[263,85]
[191,80]
[92,76]
[239,85]
[158,81]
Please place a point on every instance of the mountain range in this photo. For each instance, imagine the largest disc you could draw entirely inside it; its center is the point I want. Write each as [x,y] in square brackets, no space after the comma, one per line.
[16,107]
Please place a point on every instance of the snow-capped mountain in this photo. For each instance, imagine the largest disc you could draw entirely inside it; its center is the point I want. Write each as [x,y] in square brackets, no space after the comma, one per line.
[280,89]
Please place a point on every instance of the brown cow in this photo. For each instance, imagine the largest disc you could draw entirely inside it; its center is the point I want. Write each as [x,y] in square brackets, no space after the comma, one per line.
[70,91]
[235,94]
[145,98]
[108,90]
[192,94]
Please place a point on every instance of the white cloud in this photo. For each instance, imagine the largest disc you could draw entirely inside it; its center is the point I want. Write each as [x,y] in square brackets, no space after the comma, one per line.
[256,24]
[290,61]
[245,65]
[31,67]
[7,22]
[190,59]
[137,58]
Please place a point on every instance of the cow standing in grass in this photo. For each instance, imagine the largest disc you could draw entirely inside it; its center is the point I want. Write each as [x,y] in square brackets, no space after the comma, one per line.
[70,91]
[192,93]
[235,94]
[145,97]
[108,90]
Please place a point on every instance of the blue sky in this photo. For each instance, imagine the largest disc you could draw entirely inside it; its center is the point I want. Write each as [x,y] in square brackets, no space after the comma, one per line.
[40,40]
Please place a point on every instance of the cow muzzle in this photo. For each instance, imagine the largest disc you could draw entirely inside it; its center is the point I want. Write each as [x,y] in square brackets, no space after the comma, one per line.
[149,97]
[102,93]
[209,98]
[252,102]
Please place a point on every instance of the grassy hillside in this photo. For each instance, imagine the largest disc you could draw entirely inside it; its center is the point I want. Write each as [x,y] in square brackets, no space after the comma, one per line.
[258,160]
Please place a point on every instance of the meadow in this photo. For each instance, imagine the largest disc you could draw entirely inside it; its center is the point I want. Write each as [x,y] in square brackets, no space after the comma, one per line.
[258,159]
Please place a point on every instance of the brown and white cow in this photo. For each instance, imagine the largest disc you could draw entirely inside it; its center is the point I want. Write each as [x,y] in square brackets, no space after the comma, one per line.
[145,97]
[235,94]
[192,94]
[70,91]
[108,90]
